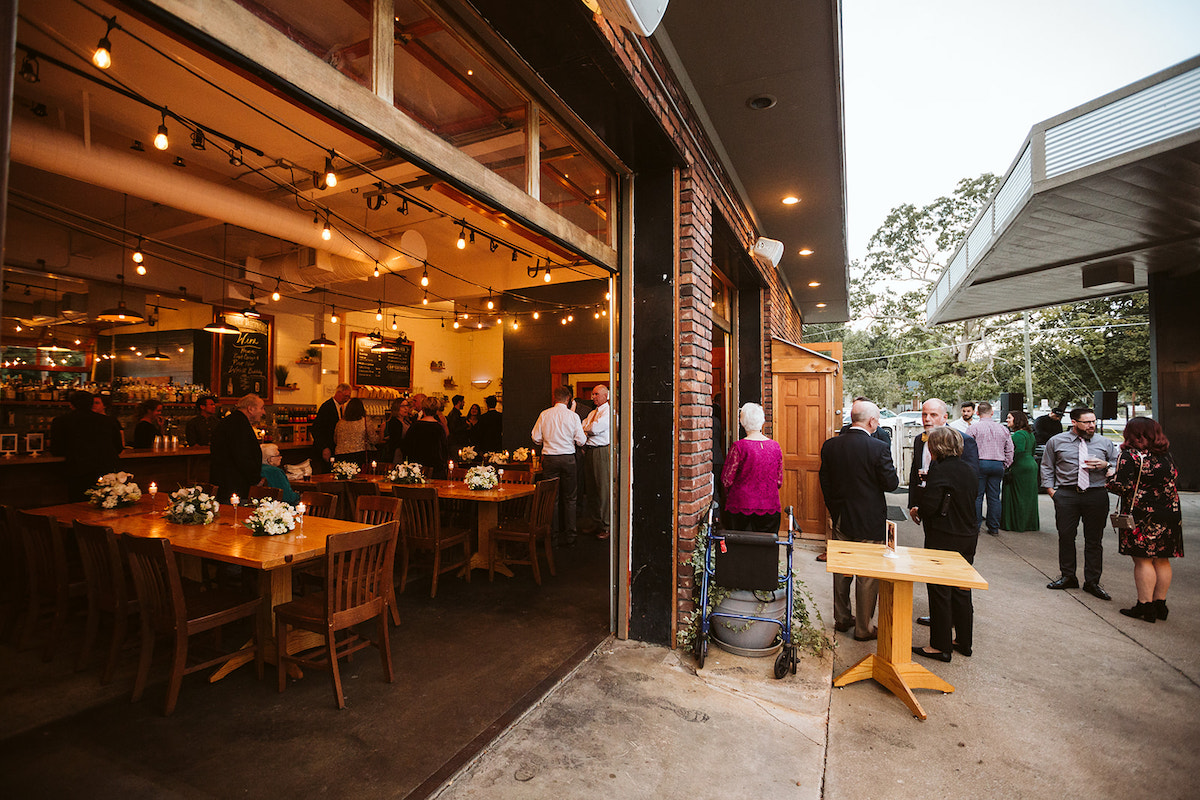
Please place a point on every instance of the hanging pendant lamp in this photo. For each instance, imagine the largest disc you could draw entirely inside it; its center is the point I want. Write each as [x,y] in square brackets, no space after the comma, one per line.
[322,340]
[220,325]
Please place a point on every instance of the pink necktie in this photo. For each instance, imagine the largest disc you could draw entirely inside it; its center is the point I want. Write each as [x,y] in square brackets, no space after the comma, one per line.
[1085,480]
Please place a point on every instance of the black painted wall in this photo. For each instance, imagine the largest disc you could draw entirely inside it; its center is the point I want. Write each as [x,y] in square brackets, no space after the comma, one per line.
[1175,369]
[749,343]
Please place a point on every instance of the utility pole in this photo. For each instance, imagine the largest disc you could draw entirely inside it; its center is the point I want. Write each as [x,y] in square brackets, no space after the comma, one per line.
[1028,369]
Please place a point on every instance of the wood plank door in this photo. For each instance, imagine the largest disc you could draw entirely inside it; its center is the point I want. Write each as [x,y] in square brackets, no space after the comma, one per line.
[802,405]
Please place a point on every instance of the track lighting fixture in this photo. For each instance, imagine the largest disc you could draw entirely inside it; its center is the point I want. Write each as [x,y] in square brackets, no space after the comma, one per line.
[160,139]
[462,238]
[179,162]
[30,68]
[39,109]
[198,139]
[514,255]
[102,56]
[404,205]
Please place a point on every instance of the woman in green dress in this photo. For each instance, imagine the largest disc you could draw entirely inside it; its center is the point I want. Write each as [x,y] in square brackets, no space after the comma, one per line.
[1018,504]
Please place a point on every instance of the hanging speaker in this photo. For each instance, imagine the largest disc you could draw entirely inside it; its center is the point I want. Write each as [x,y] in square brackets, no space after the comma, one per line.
[1011,401]
[1105,404]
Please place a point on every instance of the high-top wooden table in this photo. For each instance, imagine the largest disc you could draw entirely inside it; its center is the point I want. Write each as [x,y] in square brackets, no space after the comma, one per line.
[892,663]
[487,501]
[221,540]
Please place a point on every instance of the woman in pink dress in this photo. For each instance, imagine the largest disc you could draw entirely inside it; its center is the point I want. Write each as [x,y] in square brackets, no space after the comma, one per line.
[752,476]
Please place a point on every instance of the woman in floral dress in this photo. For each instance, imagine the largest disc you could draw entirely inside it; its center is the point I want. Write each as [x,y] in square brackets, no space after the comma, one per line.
[1145,482]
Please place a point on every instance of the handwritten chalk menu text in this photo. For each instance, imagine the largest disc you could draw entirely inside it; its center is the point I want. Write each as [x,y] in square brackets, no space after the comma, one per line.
[245,357]
[381,369]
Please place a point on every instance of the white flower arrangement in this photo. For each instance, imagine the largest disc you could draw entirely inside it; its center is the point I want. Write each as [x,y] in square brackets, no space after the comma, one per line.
[496,458]
[192,506]
[481,478]
[406,472]
[522,454]
[467,454]
[344,470]
[271,518]
[114,490]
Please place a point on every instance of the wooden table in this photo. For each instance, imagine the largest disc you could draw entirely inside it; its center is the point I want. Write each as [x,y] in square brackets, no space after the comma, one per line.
[272,556]
[487,502]
[892,663]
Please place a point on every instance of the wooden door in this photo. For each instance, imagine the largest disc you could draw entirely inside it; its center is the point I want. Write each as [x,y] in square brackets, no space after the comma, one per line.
[803,402]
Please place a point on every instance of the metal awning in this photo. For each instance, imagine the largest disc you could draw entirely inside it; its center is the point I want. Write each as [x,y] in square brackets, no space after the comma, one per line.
[1098,198]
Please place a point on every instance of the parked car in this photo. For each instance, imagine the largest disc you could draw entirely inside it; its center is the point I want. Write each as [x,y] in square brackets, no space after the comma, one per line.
[887,419]
[909,417]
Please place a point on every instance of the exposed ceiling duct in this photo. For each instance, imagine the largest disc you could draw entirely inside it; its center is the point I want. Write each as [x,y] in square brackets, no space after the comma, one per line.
[60,153]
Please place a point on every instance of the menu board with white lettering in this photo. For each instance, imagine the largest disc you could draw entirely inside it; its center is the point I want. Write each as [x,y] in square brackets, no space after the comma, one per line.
[392,369]
[244,358]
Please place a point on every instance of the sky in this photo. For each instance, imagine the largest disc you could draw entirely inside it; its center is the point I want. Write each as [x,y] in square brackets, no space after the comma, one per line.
[939,90]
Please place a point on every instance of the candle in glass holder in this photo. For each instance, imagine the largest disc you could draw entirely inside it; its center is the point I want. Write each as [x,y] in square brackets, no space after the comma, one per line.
[233,501]
[373,465]
[300,511]
[500,475]
[153,490]
[451,465]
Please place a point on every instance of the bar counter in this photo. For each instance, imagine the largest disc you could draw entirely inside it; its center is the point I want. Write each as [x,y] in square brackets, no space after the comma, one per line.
[31,481]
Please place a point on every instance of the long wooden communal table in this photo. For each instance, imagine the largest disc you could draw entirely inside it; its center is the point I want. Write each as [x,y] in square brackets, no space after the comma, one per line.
[892,663]
[221,540]
[487,501]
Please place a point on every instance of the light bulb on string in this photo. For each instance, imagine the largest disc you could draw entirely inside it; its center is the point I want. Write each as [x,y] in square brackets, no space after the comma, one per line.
[394,325]
[462,238]
[570,317]
[455,325]
[536,315]
[102,55]
[379,313]
[376,273]
[491,305]
[425,276]
[137,252]
[546,278]
[275,294]
[330,175]
[425,299]
[160,139]
[333,317]
[326,233]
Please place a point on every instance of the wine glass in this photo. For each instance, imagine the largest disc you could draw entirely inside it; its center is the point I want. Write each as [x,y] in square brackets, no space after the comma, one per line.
[301,509]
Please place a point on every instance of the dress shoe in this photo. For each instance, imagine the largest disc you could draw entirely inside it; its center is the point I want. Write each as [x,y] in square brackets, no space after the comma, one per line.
[842,627]
[994,533]
[1095,591]
[873,635]
[1144,611]
[1064,583]
[935,655]
[1160,609]
[924,621]
[958,648]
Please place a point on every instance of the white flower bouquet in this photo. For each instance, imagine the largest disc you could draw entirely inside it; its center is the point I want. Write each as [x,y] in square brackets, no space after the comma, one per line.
[406,472]
[522,454]
[344,470]
[271,518]
[192,506]
[496,458]
[481,478]
[467,454]
[114,490]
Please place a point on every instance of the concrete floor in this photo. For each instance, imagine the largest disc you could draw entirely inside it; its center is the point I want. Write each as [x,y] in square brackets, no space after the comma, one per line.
[1064,696]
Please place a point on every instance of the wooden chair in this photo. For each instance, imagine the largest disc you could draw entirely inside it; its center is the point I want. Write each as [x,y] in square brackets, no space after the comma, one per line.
[358,582]
[170,608]
[109,591]
[518,507]
[207,488]
[50,582]
[527,531]
[458,474]
[381,468]
[516,476]
[320,504]
[14,594]
[378,510]
[265,493]
[421,529]
[357,489]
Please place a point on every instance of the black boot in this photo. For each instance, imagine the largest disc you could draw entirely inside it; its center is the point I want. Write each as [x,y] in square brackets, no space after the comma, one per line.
[1160,609]
[1141,611]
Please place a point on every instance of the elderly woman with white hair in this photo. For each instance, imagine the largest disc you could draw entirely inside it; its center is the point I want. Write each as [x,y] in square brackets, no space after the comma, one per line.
[752,476]
[274,475]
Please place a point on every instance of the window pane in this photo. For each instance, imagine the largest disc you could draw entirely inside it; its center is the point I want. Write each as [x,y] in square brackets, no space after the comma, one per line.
[338,33]
[573,183]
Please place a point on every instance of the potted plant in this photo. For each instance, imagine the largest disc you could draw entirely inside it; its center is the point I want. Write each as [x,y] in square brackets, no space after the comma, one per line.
[281,375]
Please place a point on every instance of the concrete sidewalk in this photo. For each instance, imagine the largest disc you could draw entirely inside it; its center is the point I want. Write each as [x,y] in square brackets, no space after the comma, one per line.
[1063,696]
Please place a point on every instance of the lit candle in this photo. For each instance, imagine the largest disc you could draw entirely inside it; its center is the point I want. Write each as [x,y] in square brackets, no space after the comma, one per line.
[301,509]
[373,465]
[451,464]
[153,489]
[234,500]
[500,475]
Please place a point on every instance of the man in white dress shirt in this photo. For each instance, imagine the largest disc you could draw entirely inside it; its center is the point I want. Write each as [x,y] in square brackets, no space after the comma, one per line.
[558,430]
[596,464]
[963,424]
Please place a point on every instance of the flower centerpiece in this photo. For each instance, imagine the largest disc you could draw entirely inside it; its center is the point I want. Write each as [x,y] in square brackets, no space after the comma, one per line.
[192,506]
[467,454]
[344,470]
[481,478]
[271,518]
[114,490]
[522,454]
[406,472]
[496,458]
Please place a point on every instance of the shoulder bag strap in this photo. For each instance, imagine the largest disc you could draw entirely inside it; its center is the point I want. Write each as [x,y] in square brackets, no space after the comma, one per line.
[1133,497]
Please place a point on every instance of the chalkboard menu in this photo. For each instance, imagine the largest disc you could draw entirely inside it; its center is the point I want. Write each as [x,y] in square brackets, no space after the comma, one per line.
[381,369]
[244,358]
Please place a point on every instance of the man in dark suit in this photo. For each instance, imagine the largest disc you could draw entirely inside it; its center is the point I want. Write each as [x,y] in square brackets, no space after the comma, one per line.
[89,442]
[856,472]
[934,414]
[881,433]
[236,459]
[322,428]
[489,431]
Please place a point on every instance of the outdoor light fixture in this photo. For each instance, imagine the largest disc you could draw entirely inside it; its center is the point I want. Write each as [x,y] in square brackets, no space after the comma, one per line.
[160,139]
[102,56]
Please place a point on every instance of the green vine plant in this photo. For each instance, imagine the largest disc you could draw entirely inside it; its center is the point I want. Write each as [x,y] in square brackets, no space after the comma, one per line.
[808,632]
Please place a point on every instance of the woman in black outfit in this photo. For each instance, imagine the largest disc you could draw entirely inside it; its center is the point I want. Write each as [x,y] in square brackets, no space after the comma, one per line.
[149,425]
[947,511]
[425,441]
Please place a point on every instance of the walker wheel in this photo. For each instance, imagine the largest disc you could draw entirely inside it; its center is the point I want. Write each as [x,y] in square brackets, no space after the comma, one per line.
[701,651]
[781,663]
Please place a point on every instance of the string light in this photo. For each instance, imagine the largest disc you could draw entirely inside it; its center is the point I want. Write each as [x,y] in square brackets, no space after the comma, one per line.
[137,253]
[455,325]
[376,273]
[491,305]
[425,299]
[546,278]
[462,238]
[379,313]
[160,139]
[425,276]
[333,317]
[394,326]
[102,56]
[326,233]
[275,294]
[536,315]
[330,175]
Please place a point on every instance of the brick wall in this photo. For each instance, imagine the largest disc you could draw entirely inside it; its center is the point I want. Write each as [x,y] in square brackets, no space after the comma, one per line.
[705,190]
